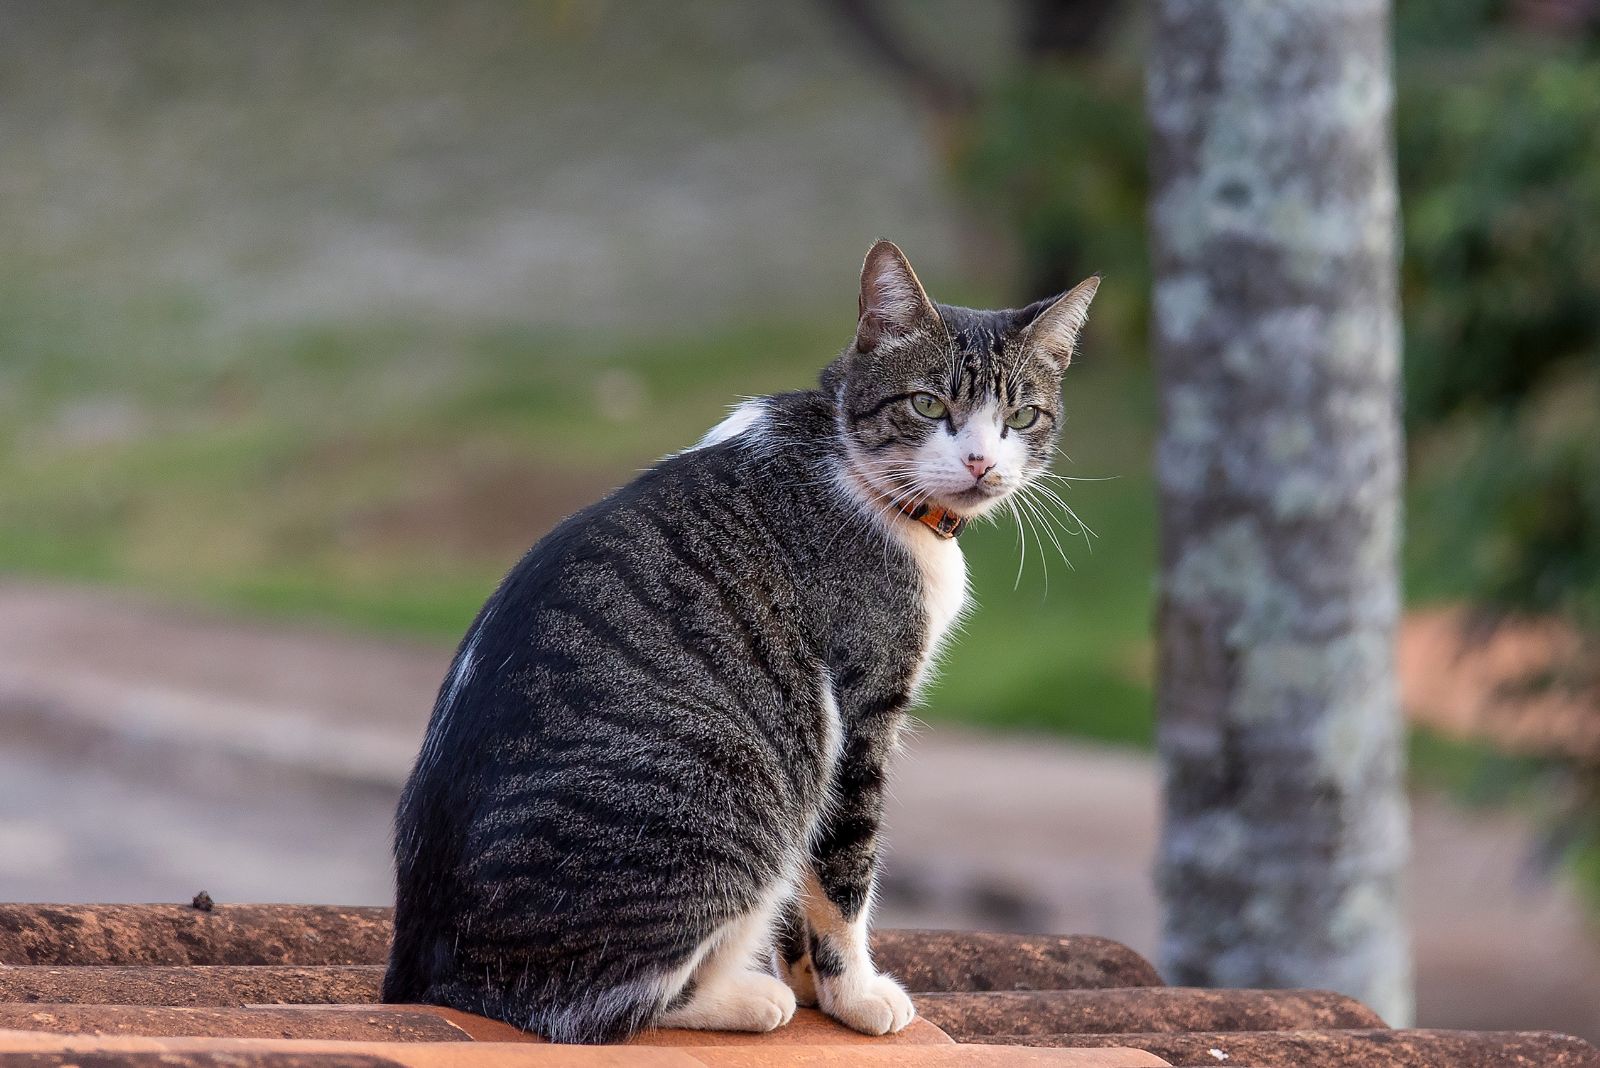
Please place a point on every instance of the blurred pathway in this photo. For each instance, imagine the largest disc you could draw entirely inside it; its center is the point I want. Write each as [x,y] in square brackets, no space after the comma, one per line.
[152,752]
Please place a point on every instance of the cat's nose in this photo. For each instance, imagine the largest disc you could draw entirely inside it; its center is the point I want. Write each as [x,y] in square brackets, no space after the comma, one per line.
[979,466]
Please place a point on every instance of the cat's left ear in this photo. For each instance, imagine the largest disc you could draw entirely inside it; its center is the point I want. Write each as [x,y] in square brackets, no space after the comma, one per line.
[893,303]
[1054,331]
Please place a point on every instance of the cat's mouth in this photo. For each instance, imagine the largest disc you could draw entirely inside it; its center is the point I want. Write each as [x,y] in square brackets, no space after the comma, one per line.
[969,500]
[976,498]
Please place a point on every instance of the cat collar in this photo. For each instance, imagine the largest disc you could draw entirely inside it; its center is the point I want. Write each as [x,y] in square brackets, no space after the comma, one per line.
[942,521]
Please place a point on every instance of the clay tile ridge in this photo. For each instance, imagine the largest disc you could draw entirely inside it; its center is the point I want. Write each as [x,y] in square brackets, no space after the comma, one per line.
[280,986]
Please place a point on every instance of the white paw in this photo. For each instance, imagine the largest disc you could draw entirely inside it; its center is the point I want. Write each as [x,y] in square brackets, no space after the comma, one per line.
[802,980]
[878,1006]
[748,1001]
[768,1001]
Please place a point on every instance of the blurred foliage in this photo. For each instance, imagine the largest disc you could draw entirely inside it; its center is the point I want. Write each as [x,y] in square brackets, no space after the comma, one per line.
[1499,143]
[1498,134]
[1058,155]
[1499,153]
[1563,796]
[1498,137]
[1498,146]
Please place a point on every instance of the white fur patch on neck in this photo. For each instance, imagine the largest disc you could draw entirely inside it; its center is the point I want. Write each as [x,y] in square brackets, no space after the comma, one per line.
[944,592]
[747,418]
[939,560]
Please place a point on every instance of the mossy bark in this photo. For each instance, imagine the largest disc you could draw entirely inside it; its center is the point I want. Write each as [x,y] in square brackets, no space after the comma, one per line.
[1277,340]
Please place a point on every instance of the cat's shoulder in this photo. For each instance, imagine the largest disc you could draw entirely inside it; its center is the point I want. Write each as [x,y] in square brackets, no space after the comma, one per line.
[764,447]
[763,424]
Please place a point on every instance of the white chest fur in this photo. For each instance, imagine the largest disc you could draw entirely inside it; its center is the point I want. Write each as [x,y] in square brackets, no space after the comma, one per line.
[944,588]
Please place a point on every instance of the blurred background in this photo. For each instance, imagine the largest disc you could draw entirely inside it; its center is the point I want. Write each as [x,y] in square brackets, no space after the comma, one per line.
[313,317]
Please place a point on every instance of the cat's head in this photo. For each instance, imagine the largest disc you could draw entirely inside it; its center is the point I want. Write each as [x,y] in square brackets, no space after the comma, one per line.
[948,406]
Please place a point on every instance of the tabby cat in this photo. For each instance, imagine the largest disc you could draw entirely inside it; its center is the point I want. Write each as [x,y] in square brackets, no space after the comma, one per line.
[650,791]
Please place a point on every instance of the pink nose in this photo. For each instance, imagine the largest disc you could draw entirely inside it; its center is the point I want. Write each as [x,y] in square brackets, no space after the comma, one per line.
[979,466]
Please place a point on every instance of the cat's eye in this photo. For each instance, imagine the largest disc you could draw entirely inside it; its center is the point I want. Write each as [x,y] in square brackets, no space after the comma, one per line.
[1023,418]
[928,406]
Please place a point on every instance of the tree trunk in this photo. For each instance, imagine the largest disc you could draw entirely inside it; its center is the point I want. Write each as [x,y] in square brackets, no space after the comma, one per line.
[1274,219]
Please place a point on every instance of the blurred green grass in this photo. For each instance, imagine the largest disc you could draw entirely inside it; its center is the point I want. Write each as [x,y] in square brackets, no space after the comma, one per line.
[383,476]
[267,329]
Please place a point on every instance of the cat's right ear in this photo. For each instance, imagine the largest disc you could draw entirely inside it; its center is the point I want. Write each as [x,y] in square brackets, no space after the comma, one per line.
[893,303]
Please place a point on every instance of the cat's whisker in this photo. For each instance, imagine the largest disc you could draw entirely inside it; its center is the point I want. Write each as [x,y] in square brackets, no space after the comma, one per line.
[1044,520]
[1084,529]
[1035,522]
[1022,542]
[1078,478]
[1059,451]
[1055,520]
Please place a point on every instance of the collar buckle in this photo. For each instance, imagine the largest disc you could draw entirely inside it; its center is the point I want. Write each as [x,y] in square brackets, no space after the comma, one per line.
[943,522]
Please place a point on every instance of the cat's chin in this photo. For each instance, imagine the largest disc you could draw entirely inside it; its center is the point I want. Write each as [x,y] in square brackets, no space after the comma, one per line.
[974,501]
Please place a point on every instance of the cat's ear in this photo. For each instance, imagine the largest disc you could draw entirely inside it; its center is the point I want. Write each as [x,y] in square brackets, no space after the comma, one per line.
[893,303]
[1054,331]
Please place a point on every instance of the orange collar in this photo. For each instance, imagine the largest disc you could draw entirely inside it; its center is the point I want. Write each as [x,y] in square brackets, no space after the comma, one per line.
[943,522]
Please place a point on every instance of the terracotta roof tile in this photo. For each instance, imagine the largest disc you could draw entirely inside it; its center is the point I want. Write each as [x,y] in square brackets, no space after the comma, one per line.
[197,985]
[193,1058]
[1165,1009]
[1342,1049]
[112,935]
[374,1023]
[90,1051]
[182,934]
[967,960]
[277,985]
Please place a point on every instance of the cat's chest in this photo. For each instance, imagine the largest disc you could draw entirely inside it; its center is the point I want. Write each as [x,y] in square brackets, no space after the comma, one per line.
[943,572]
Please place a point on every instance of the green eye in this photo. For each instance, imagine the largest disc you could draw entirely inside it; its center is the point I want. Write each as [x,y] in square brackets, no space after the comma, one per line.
[928,406]
[1023,418]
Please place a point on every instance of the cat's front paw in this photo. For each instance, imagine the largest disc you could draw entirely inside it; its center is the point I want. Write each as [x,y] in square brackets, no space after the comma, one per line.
[878,1006]
[771,1003]
[748,1001]
[802,979]
[762,1005]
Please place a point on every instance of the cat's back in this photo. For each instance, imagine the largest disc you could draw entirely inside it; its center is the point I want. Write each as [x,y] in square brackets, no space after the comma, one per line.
[678,602]
[722,513]
[708,517]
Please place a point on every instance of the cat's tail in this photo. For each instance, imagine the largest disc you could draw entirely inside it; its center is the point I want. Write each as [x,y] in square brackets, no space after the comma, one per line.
[408,976]
[422,952]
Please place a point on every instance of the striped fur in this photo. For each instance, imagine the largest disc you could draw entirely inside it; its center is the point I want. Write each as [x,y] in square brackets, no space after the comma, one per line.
[654,775]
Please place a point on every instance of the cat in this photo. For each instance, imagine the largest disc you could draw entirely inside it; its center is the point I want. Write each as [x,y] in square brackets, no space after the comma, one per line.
[650,791]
